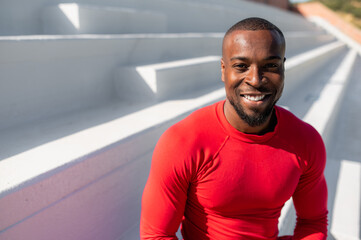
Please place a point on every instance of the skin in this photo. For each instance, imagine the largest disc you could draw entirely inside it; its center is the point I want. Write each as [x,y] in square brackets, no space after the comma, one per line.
[252,65]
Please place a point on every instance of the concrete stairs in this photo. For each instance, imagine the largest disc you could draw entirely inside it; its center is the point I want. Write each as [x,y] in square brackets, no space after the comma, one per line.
[82,108]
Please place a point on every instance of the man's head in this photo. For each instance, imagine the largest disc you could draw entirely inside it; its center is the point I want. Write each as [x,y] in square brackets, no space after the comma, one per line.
[254,24]
[253,72]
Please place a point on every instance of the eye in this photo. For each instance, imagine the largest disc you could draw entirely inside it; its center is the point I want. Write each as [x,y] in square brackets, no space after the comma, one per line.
[271,66]
[241,66]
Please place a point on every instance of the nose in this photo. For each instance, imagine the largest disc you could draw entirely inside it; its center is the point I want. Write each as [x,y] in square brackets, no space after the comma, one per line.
[254,77]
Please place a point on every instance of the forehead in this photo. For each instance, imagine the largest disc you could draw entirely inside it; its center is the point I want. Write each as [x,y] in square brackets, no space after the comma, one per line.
[259,41]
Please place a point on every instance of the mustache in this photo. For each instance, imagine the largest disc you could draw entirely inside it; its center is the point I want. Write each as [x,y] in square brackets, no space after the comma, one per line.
[260,89]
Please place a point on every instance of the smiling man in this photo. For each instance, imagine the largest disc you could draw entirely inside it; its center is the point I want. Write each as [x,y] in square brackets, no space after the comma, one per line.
[225,171]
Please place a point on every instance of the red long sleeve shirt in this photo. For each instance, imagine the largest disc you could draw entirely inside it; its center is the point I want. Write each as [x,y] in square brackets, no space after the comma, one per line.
[222,184]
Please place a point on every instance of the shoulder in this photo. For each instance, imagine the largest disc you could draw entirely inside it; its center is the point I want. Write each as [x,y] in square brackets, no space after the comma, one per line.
[190,143]
[306,140]
[291,125]
[197,126]
[198,132]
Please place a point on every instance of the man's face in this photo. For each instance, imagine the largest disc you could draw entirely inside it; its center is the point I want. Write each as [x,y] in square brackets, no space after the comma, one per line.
[253,73]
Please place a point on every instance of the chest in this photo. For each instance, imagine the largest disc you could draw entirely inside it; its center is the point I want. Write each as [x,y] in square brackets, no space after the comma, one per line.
[242,178]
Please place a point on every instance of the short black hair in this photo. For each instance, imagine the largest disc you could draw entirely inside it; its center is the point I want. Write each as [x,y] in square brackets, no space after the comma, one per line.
[254,24]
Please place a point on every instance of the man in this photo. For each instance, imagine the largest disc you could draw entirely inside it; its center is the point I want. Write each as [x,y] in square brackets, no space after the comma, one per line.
[225,171]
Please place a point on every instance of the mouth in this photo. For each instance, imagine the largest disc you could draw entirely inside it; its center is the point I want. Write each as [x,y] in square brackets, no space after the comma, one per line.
[255,97]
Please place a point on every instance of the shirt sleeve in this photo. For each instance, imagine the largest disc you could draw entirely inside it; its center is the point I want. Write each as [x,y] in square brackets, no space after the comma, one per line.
[310,197]
[165,193]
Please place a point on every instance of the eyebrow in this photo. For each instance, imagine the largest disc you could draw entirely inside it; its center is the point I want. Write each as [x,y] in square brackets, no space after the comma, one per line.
[267,58]
[273,57]
[239,58]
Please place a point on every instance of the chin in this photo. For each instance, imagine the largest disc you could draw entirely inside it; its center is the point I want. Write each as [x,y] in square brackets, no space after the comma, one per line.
[254,119]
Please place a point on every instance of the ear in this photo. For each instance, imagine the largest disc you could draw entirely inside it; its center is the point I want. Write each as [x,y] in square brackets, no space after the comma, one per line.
[284,61]
[222,69]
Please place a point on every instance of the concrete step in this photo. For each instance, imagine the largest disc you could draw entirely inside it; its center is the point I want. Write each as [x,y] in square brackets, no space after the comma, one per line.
[302,41]
[167,80]
[310,60]
[74,18]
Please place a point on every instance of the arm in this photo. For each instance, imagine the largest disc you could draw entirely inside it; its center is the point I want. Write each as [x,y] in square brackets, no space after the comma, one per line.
[165,193]
[310,197]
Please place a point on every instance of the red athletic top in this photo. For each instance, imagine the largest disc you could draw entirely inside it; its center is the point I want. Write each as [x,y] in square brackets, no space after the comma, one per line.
[222,184]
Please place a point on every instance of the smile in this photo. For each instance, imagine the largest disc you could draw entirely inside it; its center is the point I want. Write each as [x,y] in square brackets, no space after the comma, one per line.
[254,98]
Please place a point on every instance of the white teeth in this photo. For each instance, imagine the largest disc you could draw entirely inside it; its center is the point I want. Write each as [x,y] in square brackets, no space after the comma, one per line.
[254,98]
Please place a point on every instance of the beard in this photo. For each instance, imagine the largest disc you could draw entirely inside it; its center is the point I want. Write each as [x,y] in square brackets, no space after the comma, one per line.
[257,119]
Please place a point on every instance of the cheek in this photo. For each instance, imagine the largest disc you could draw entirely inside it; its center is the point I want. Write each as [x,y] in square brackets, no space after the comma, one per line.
[275,79]
[234,79]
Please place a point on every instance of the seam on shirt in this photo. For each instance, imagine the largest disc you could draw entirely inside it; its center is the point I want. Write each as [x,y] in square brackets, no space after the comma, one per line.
[220,148]
[210,163]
